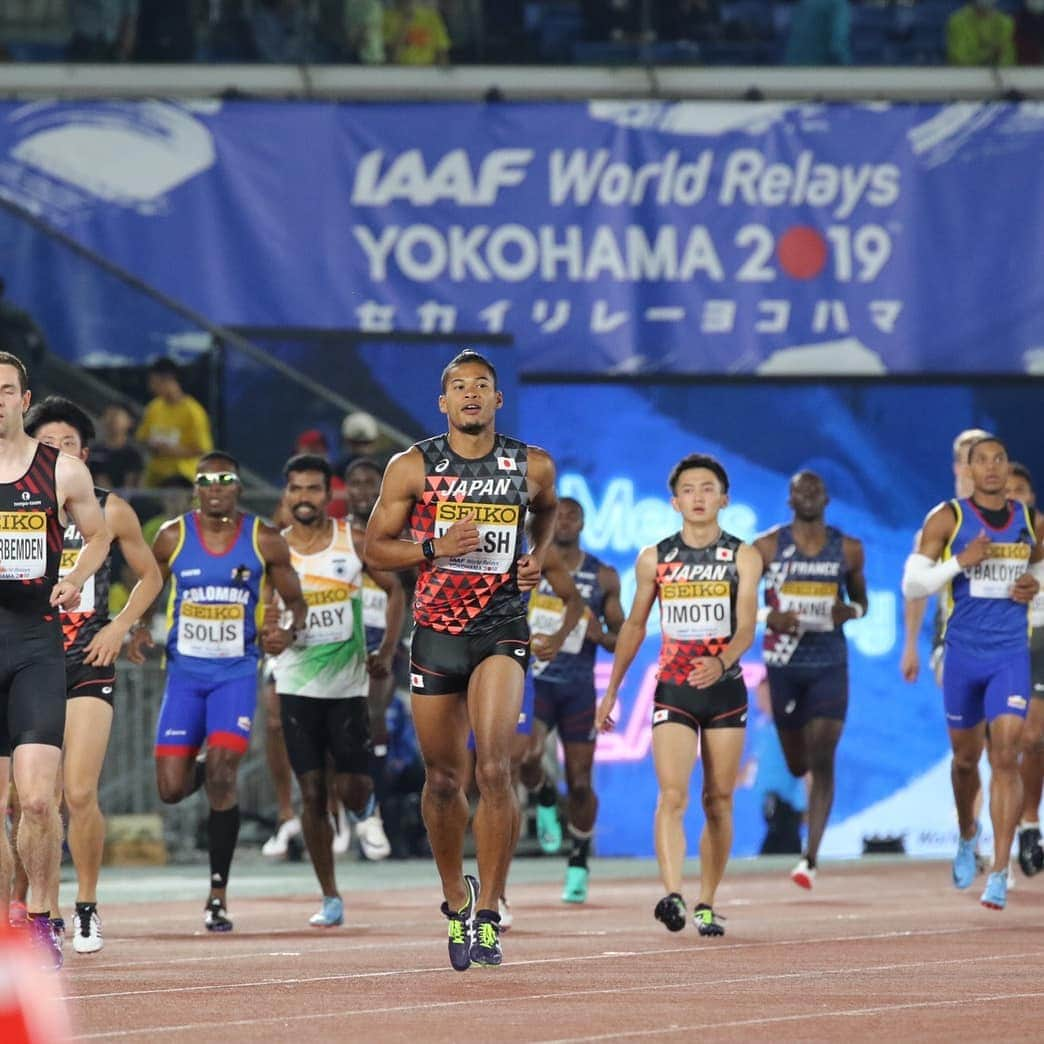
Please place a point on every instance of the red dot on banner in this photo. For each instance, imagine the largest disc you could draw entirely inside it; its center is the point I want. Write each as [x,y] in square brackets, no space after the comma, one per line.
[802,252]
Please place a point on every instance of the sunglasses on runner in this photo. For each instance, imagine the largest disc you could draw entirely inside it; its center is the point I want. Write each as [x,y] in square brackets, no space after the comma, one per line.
[217,478]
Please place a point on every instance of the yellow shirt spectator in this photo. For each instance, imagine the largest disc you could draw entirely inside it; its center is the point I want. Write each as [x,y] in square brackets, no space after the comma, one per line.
[175,427]
[976,34]
[415,34]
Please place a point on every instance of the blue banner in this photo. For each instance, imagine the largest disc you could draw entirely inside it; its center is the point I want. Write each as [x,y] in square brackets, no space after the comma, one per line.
[646,237]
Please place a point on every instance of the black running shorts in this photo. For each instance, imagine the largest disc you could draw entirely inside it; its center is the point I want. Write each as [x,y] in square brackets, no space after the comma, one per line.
[83,679]
[721,706]
[800,694]
[32,685]
[313,726]
[442,663]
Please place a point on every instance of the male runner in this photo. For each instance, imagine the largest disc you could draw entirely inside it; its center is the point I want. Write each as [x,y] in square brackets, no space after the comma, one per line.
[1031,768]
[216,558]
[321,673]
[466,496]
[565,694]
[809,566]
[40,491]
[92,644]
[383,610]
[984,553]
[706,581]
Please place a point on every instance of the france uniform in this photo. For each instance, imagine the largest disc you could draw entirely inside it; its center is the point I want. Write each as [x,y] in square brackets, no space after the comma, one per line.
[986,668]
[212,650]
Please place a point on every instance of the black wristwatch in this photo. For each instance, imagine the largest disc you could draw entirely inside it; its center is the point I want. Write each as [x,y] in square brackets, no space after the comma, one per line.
[428,549]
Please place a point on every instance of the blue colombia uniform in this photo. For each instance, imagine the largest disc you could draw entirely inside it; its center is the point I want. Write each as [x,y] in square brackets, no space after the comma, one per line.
[807,672]
[212,651]
[986,668]
[563,689]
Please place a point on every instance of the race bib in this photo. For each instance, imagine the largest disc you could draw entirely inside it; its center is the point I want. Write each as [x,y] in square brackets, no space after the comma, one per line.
[329,617]
[23,545]
[68,563]
[215,631]
[498,533]
[375,604]
[994,576]
[697,610]
[813,601]
[546,613]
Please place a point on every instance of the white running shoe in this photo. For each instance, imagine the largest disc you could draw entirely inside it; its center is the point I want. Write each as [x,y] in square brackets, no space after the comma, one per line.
[373,841]
[87,933]
[506,917]
[276,845]
[803,875]
[342,832]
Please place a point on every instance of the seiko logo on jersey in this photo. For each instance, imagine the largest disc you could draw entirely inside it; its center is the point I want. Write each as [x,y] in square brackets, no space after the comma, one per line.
[441,466]
[22,521]
[697,571]
[506,464]
[478,487]
[481,514]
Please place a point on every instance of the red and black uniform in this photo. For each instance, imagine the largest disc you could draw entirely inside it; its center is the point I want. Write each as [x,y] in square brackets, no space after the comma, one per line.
[696,587]
[469,607]
[92,614]
[32,665]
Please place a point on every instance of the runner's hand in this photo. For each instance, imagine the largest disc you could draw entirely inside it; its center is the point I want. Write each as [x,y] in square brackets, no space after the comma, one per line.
[378,665]
[545,647]
[909,664]
[783,622]
[275,640]
[461,538]
[706,670]
[841,613]
[1025,589]
[65,596]
[140,640]
[975,552]
[604,721]
[527,576]
[104,647]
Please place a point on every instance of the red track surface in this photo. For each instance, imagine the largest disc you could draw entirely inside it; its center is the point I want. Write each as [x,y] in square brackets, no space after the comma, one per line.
[875,952]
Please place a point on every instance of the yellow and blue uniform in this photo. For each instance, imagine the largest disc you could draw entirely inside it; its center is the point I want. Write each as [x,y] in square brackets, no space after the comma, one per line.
[986,668]
[212,650]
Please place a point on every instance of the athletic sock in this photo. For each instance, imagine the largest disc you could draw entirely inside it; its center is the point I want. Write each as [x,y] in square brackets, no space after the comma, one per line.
[222,832]
[367,809]
[1027,824]
[547,794]
[378,762]
[581,846]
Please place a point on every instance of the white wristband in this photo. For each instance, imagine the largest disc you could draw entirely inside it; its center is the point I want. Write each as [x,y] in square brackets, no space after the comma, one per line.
[857,610]
[763,614]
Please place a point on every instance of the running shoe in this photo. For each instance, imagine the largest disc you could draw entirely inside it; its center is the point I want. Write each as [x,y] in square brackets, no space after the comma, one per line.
[995,897]
[16,914]
[671,910]
[460,926]
[1031,855]
[330,915]
[276,845]
[549,829]
[803,875]
[215,916]
[87,933]
[342,832]
[706,921]
[575,890]
[373,841]
[507,918]
[964,861]
[485,943]
[43,933]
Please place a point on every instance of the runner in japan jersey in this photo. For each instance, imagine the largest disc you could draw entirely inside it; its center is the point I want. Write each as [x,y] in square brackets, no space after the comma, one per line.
[81,624]
[474,592]
[328,659]
[214,600]
[697,592]
[808,586]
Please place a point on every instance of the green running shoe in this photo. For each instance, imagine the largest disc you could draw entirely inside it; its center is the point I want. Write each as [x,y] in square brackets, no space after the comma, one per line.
[549,829]
[460,927]
[575,890]
[706,921]
[485,948]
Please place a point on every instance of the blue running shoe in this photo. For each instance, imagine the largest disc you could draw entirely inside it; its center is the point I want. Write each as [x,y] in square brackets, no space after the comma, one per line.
[330,915]
[549,829]
[996,895]
[460,926]
[485,947]
[964,861]
[575,890]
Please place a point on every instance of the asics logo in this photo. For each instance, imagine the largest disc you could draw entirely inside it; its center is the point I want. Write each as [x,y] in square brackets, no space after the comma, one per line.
[442,465]
[520,652]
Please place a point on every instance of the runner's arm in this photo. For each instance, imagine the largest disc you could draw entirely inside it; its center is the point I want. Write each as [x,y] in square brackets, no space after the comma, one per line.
[75,493]
[612,610]
[280,570]
[543,506]
[162,548]
[547,646]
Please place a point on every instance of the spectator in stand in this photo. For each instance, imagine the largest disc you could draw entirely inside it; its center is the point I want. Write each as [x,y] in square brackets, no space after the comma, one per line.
[175,427]
[357,29]
[102,30]
[1029,33]
[114,461]
[819,34]
[359,434]
[314,441]
[175,499]
[283,32]
[20,335]
[686,20]
[415,34]
[166,31]
[979,34]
